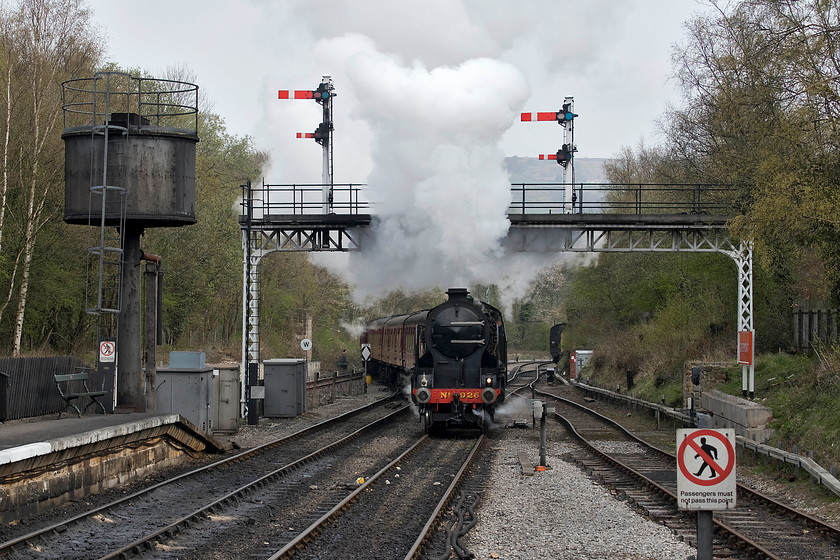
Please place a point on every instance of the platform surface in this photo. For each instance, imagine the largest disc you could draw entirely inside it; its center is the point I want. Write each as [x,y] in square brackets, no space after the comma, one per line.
[22,439]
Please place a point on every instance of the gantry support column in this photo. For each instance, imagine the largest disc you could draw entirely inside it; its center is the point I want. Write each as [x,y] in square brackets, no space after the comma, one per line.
[744,261]
[250,315]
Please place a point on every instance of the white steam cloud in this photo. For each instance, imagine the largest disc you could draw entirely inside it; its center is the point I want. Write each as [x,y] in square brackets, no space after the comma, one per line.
[438,186]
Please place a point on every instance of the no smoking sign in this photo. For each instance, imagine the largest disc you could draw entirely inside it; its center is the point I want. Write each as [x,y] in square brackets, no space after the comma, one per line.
[706,469]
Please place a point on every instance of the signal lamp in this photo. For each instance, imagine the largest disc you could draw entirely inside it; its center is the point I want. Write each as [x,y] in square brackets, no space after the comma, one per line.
[564,155]
[322,133]
[565,115]
[696,372]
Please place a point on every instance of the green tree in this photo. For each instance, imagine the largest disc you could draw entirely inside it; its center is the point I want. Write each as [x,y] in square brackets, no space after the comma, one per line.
[760,78]
[202,263]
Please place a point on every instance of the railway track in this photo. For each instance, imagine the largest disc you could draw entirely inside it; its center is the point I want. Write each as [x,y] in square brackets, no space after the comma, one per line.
[759,527]
[396,512]
[157,520]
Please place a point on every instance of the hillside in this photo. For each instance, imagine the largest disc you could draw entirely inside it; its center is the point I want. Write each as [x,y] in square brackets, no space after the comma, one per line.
[534,170]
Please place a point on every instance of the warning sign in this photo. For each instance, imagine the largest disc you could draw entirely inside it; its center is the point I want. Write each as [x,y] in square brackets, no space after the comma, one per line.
[745,347]
[107,351]
[706,469]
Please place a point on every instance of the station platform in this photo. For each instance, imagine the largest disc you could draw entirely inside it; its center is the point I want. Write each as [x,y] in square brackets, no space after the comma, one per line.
[45,462]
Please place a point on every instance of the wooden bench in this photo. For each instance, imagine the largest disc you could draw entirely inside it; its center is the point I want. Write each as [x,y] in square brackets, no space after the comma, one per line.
[72,386]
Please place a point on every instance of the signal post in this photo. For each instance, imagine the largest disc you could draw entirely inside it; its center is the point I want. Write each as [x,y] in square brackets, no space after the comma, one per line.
[565,155]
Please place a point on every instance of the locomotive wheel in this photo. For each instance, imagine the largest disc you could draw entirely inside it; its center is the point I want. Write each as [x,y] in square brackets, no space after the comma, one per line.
[427,421]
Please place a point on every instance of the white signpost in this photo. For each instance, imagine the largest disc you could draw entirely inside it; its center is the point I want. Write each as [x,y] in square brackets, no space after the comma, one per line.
[706,469]
[306,346]
[705,478]
[366,353]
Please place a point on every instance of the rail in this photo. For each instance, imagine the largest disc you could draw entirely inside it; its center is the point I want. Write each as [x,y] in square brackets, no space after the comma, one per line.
[526,198]
[816,472]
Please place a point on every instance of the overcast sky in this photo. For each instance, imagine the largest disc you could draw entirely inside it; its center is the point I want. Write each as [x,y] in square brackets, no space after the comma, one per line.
[429,94]
[612,56]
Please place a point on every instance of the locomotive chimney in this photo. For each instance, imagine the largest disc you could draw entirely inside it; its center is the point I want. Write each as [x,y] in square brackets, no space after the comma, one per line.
[457,293]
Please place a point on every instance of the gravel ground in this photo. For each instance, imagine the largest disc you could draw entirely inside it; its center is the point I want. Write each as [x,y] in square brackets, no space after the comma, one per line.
[271,428]
[560,513]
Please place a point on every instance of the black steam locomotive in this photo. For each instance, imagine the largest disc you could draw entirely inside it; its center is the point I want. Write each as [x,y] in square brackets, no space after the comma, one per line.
[453,356]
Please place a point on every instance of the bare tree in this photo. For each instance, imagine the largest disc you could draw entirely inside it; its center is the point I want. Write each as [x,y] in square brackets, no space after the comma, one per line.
[45,42]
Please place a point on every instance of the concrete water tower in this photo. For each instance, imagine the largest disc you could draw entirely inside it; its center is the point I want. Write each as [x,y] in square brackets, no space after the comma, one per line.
[129,165]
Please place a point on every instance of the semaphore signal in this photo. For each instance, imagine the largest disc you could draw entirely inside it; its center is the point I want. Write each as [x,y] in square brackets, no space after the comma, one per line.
[543,116]
[565,155]
[323,95]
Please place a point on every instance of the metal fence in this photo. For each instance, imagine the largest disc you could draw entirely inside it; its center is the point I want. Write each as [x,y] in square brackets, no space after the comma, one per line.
[301,199]
[813,328]
[526,198]
[27,386]
[611,198]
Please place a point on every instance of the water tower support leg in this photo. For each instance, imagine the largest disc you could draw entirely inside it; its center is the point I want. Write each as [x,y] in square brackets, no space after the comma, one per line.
[129,341]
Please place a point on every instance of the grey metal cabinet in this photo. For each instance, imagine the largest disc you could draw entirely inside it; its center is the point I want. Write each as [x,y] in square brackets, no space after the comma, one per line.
[285,387]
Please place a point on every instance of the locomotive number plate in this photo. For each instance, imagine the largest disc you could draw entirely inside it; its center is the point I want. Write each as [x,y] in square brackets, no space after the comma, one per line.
[465,395]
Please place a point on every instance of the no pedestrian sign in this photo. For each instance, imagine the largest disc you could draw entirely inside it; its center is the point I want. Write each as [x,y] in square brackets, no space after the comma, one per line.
[706,469]
[107,351]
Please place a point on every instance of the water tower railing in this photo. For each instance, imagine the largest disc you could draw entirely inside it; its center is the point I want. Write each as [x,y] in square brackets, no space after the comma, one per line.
[136,102]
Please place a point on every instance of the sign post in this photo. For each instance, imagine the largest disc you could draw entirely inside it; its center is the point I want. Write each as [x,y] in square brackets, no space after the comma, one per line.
[106,366]
[746,357]
[705,478]
[306,346]
[365,358]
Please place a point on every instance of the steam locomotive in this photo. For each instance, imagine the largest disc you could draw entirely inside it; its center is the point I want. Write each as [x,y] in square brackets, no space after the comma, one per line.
[453,357]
